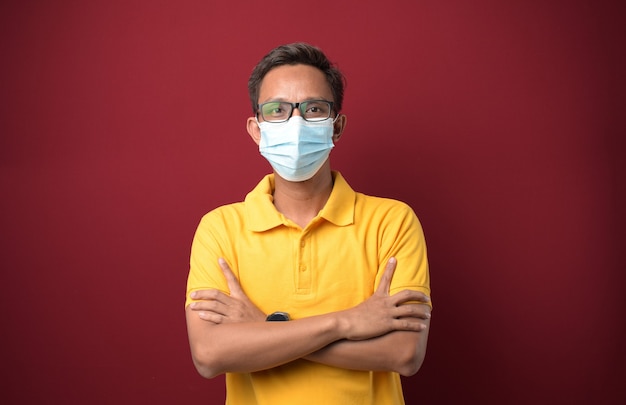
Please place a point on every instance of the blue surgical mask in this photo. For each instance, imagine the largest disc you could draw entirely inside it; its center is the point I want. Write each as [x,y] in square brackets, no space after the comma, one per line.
[296,148]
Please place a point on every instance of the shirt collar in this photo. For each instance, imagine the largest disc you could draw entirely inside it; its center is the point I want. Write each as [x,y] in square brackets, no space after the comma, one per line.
[262,215]
[339,208]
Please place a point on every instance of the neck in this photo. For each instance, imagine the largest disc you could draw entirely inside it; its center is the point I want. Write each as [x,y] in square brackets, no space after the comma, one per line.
[302,201]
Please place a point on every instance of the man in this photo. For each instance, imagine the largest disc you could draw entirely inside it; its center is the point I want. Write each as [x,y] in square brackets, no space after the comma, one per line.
[307,292]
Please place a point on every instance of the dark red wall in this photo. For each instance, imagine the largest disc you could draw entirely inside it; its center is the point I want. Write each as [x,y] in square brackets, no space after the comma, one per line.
[123,122]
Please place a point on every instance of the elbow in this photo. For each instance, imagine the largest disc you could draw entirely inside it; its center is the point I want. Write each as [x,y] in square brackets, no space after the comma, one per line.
[206,366]
[409,362]
[409,369]
[411,354]
[206,371]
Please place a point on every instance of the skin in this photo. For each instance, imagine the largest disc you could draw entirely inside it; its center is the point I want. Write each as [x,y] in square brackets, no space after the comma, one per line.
[228,333]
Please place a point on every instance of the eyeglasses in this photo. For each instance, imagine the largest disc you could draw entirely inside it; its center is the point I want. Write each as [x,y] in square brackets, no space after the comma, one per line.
[280,111]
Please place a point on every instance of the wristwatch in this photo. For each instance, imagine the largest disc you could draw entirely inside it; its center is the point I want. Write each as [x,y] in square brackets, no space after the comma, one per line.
[277,316]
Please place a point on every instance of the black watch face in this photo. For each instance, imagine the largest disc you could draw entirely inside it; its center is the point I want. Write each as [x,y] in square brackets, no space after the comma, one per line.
[278,316]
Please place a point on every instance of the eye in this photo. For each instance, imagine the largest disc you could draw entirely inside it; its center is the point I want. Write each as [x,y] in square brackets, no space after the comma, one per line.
[273,110]
[316,109]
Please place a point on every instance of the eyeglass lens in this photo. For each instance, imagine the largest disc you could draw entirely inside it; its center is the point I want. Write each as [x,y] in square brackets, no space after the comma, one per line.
[314,110]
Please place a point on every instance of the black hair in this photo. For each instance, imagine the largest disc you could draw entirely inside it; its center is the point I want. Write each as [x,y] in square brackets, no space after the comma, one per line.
[298,53]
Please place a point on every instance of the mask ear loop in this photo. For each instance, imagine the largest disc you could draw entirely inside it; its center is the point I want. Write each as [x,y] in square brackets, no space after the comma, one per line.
[335,120]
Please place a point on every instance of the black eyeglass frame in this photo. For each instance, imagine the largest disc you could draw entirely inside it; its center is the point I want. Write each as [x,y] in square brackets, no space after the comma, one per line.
[331,105]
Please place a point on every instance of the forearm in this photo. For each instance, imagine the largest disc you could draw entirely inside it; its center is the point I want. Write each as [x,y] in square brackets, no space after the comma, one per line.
[227,335]
[249,347]
[401,352]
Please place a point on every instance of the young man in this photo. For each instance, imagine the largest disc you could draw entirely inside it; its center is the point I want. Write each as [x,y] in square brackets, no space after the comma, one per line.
[307,292]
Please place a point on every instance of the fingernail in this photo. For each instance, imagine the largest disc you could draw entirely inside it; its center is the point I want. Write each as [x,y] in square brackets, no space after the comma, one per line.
[221,260]
[193,294]
[392,260]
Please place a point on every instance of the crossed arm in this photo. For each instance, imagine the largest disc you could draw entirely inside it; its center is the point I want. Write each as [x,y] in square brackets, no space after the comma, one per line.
[228,333]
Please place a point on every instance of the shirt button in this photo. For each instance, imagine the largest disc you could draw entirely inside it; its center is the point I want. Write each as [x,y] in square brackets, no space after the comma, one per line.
[302,267]
[302,243]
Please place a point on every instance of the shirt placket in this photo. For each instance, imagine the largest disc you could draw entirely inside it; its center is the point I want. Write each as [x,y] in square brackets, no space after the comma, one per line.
[303,263]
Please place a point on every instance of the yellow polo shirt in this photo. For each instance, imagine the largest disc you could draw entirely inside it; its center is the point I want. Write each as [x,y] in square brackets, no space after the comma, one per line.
[333,264]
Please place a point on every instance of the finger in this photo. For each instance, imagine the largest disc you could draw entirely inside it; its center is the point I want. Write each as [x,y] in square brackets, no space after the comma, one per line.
[233,283]
[413,310]
[405,296]
[410,324]
[213,294]
[211,317]
[209,306]
[385,280]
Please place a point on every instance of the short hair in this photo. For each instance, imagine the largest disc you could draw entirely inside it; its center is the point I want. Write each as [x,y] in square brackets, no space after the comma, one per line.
[298,53]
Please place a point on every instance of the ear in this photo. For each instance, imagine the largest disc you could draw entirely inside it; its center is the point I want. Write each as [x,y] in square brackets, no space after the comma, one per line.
[339,126]
[253,129]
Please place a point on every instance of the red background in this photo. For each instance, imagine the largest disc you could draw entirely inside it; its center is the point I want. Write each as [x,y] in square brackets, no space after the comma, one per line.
[123,122]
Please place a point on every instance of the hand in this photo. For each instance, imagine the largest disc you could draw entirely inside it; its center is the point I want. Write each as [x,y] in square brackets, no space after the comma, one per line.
[216,307]
[382,313]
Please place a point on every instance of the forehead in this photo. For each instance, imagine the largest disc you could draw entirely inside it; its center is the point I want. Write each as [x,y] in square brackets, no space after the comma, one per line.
[294,83]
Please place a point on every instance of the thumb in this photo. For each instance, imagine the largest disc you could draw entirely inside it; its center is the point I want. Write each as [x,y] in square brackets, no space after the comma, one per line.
[233,284]
[385,280]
